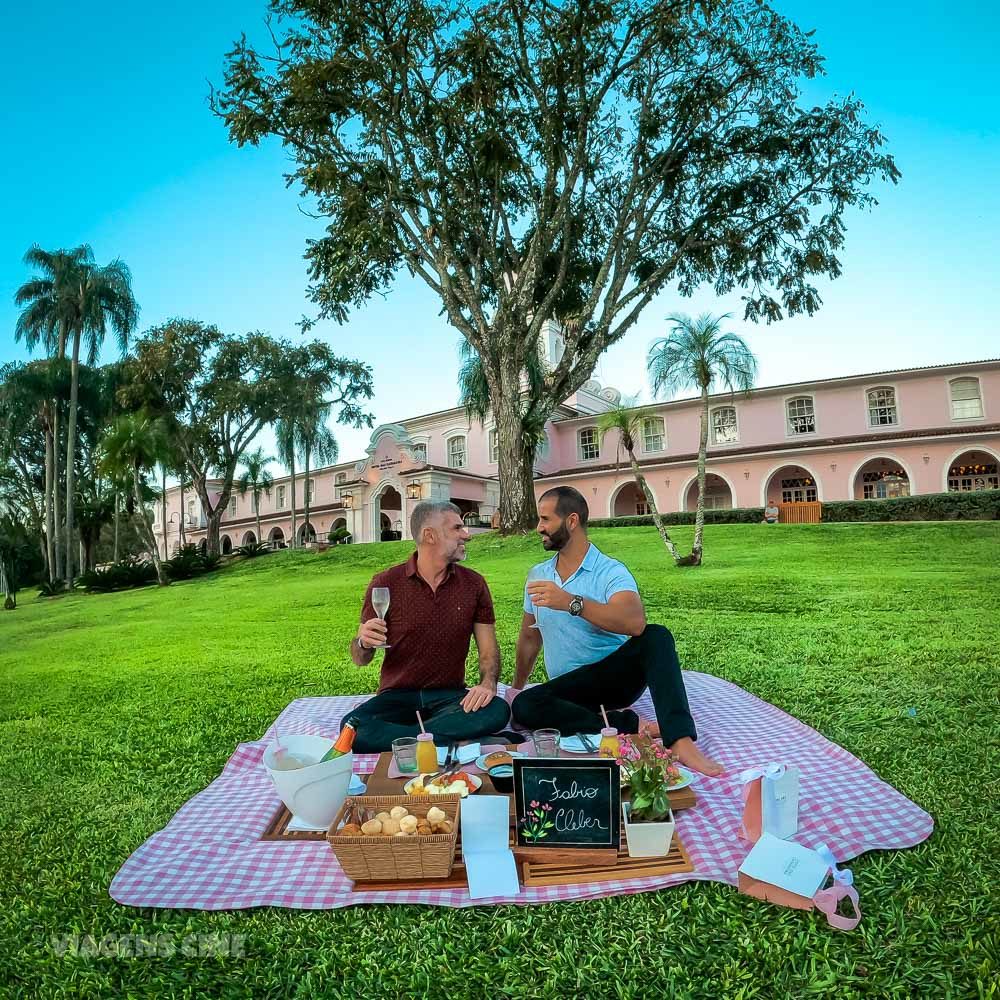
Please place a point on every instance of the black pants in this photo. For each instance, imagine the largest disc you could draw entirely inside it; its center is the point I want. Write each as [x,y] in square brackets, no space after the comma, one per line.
[392,714]
[572,702]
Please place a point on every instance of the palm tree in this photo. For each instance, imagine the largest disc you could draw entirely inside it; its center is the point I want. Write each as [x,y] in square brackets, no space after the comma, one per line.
[315,440]
[255,478]
[286,437]
[698,355]
[133,446]
[628,419]
[80,298]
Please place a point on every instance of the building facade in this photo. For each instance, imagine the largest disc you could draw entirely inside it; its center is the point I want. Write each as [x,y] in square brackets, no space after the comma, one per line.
[926,430]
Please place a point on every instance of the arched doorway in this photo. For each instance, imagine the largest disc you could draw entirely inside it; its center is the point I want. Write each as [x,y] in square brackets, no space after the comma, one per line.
[307,534]
[203,546]
[341,522]
[225,545]
[389,510]
[629,501]
[972,471]
[249,539]
[276,539]
[881,479]
[791,484]
[718,495]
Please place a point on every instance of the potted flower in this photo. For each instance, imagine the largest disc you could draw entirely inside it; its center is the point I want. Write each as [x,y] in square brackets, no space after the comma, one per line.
[649,769]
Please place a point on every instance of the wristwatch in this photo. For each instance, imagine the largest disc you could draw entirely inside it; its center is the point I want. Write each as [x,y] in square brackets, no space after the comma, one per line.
[576,606]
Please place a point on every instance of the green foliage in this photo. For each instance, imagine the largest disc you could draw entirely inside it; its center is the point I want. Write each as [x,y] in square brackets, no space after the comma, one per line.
[122,575]
[338,535]
[735,515]
[189,561]
[983,505]
[253,549]
[117,710]
[47,589]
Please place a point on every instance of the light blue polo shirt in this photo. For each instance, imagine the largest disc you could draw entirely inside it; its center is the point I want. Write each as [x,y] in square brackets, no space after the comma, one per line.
[569,641]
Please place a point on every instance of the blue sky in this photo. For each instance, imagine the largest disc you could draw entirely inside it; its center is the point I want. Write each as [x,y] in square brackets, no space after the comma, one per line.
[109,140]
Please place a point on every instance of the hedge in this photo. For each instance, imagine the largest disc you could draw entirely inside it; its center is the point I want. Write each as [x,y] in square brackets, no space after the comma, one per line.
[981,506]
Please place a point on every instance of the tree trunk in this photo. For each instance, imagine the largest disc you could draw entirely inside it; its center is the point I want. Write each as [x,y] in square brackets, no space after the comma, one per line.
[163,512]
[183,532]
[57,522]
[291,471]
[70,456]
[161,574]
[651,501]
[118,503]
[699,516]
[515,467]
[256,510]
[305,501]
[50,543]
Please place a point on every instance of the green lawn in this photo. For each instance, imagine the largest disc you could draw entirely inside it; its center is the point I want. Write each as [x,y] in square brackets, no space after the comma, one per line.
[116,709]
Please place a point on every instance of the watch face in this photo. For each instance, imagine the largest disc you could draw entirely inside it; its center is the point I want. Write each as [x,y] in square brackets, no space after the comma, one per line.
[576,605]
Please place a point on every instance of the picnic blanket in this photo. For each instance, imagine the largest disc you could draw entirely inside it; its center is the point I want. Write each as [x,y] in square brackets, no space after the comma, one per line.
[210,857]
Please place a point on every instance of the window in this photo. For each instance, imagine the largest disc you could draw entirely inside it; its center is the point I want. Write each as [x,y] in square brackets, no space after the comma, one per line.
[456,452]
[588,446]
[641,506]
[972,477]
[652,434]
[966,401]
[311,490]
[724,425]
[420,453]
[882,406]
[341,477]
[798,490]
[281,498]
[254,502]
[885,484]
[190,514]
[801,416]
[494,450]
[232,506]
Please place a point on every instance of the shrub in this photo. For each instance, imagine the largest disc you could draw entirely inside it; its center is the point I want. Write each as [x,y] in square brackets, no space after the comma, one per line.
[253,549]
[189,562]
[981,506]
[736,515]
[338,536]
[122,575]
[48,589]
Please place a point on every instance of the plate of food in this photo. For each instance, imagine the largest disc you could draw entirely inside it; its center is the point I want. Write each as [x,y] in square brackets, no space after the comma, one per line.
[459,783]
[685,778]
[487,760]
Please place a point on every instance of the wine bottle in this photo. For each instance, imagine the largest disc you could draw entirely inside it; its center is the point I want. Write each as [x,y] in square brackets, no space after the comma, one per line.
[344,742]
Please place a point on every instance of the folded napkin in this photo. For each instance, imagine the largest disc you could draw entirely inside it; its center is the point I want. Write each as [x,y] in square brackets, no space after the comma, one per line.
[575,745]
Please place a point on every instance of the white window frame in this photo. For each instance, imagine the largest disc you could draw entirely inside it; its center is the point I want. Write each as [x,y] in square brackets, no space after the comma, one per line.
[340,478]
[311,490]
[231,511]
[736,424]
[951,397]
[789,427]
[882,387]
[493,445]
[464,464]
[581,445]
[281,496]
[806,490]
[662,435]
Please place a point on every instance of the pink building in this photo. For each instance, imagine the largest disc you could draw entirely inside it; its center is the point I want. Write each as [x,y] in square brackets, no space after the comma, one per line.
[922,430]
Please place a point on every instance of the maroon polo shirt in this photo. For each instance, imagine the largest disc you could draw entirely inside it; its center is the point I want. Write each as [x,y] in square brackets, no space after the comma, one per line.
[429,631]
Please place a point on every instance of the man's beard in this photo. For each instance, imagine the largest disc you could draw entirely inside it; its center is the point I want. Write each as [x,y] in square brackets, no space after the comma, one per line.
[557,539]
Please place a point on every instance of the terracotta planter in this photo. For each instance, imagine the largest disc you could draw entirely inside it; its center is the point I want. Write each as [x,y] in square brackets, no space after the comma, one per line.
[648,840]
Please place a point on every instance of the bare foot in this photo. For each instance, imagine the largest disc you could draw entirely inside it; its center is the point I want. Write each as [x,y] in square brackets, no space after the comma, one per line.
[650,728]
[689,755]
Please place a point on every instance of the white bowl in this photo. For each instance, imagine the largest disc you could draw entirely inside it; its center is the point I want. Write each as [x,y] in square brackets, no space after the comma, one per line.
[314,793]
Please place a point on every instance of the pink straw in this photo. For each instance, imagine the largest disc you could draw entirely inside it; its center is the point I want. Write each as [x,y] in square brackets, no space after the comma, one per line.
[605,714]
[421,722]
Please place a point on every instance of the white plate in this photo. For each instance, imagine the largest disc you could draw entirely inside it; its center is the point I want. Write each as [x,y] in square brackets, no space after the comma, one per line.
[481,759]
[572,744]
[687,778]
[474,778]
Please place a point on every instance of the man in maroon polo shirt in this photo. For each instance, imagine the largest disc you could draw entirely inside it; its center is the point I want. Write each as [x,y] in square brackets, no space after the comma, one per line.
[435,608]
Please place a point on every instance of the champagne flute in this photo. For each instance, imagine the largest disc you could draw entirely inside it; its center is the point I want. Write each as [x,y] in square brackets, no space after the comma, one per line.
[535,574]
[380,602]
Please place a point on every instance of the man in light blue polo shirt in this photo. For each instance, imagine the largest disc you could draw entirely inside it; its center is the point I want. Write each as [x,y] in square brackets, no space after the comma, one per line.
[598,648]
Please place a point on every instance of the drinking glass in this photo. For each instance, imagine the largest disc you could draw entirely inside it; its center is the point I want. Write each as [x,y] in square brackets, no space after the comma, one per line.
[546,742]
[534,574]
[404,750]
[380,602]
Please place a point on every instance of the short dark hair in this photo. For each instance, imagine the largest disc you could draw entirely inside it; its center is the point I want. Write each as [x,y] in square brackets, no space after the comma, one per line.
[568,501]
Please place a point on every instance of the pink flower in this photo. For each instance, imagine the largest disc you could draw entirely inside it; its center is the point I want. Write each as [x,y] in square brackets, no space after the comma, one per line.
[547,807]
[534,805]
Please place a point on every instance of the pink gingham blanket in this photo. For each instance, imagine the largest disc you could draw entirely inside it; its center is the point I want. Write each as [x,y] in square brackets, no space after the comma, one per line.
[210,857]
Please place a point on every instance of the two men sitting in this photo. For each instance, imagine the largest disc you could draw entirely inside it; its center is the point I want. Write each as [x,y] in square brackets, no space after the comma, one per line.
[599,649]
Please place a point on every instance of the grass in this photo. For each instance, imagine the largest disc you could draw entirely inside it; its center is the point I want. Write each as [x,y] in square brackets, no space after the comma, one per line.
[115,709]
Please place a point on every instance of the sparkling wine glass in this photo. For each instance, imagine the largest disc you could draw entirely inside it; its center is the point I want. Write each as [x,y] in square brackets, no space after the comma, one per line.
[535,574]
[380,602]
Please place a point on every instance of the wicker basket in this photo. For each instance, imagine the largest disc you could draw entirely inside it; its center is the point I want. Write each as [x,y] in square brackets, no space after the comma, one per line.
[385,858]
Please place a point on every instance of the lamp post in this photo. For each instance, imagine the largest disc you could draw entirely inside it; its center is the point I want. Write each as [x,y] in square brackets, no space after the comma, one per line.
[180,520]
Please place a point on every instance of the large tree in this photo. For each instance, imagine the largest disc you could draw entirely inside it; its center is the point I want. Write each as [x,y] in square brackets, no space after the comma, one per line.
[697,354]
[216,392]
[532,161]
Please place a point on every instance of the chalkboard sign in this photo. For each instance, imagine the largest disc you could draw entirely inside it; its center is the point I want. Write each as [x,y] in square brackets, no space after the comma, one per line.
[564,803]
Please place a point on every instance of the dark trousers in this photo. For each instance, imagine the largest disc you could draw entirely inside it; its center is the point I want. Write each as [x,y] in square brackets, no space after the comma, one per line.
[572,702]
[392,714]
